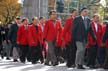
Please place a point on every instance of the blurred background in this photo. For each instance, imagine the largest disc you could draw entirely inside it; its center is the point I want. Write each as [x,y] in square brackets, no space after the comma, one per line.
[10,9]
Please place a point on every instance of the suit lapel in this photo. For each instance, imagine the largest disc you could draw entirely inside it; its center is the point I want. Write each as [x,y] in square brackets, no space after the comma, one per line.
[81,19]
[82,22]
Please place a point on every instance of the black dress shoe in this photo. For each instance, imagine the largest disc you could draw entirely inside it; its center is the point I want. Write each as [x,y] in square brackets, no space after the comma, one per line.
[55,64]
[98,66]
[23,62]
[29,60]
[73,66]
[2,57]
[106,68]
[61,60]
[92,67]
[34,62]
[69,66]
[15,60]
[80,67]
[47,64]
[7,58]
[42,61]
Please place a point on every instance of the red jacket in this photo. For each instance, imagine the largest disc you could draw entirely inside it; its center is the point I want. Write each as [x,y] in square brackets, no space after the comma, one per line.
[42,32]
[106,43]
[98,35]
[59,41]
[34,35]
[50,30]
[22,35]
[104,29]
[68,29]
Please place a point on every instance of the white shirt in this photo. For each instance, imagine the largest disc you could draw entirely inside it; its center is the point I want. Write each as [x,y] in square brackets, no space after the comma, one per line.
[42,26]
[83,17]
[96,26]
[19,25]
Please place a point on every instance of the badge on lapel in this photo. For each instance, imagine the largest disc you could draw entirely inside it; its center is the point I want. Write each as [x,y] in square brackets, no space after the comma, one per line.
[81,20]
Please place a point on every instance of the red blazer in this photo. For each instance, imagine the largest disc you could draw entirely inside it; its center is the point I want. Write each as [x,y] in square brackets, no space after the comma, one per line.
[106,43]
[42,32]
[22,35]
[68,29]
[98,35]
[34,35]
[104,29]
[50,30]
[59,39]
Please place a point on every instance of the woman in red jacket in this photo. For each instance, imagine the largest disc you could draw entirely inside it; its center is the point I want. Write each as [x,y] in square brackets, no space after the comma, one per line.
[35,38]
[22,39]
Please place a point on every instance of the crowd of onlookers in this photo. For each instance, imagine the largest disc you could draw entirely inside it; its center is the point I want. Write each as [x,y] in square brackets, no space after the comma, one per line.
[80,41]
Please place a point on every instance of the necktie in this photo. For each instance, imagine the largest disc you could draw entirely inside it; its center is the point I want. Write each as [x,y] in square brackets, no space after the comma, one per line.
[85,23]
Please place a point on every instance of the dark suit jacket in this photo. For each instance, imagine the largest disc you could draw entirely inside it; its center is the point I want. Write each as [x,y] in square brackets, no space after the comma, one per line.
[105,36]
[0,36]
[79,32]
[13,32]
[6,35]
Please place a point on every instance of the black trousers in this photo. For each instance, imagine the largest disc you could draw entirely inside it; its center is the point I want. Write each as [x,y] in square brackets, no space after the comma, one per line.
[23,52]
[101,55]
[59,53]
[106,59]
[71,53]
[36,54]
[29,54]
[41,58]
[91,55]
[1,51]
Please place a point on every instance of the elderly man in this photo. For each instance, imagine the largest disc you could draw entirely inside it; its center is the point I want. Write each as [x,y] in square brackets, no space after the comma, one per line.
[80,31]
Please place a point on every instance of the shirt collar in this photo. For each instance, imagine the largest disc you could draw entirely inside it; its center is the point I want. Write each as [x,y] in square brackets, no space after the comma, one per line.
[83,17]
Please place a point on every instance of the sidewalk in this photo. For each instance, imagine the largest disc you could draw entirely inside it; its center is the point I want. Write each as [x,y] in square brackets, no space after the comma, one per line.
[11,66]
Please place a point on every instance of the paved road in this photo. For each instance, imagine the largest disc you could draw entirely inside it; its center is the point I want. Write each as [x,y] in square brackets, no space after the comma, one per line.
[11,66]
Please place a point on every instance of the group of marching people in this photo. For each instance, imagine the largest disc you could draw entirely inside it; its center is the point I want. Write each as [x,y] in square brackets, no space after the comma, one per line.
[81,41]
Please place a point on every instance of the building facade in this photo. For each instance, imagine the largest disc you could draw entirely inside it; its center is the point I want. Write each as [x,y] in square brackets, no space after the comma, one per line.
[39,8]
[36,8]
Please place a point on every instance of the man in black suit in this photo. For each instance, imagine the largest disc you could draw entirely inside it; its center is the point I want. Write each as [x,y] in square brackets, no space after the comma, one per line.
[6,41]
[13,37]
[79,32]
[1,37]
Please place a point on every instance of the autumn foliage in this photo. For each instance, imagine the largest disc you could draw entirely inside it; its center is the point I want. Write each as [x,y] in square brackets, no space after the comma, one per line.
[9,10]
